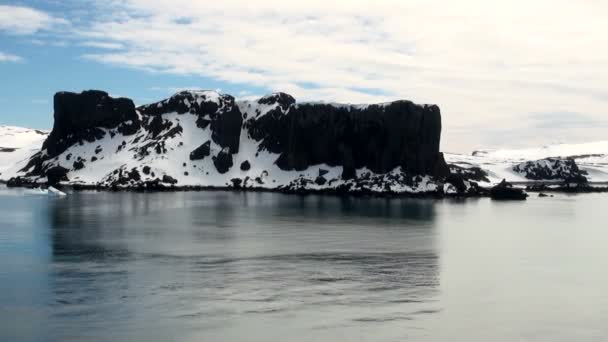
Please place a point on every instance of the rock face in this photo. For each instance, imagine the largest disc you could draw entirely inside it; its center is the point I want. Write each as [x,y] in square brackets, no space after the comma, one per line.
[377,137]
[201,152]
[79,116]
[207,139]
[552,169]
[506,191]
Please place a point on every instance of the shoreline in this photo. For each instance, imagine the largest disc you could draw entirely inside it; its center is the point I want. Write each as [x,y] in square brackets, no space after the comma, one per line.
[483,192]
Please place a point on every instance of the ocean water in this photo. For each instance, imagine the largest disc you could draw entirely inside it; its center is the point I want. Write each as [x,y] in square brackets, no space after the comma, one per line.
[231,266]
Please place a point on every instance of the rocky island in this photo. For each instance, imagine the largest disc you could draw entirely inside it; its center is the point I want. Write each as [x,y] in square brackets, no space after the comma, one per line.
[206,140]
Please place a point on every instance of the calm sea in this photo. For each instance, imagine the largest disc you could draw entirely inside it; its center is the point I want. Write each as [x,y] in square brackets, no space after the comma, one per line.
[229,266]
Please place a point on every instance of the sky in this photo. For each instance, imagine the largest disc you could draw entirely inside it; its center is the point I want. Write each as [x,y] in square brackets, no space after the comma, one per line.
[504,73]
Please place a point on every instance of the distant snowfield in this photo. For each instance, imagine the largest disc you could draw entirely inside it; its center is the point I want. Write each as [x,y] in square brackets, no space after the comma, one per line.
[591,157]
[17,144]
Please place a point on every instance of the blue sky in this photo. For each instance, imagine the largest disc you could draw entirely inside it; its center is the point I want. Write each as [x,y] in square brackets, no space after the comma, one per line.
[504,73]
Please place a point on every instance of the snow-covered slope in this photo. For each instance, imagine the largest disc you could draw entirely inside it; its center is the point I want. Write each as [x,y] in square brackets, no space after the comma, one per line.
[17,144]
[591,158]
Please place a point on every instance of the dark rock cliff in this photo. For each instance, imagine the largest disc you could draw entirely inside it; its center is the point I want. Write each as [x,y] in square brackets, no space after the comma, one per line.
[379,137]
[78,119]
[79,116]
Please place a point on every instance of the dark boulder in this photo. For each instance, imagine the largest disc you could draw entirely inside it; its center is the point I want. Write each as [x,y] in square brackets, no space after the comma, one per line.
[457,180]
[223,161]
[201,152]
[320,180]
[236,182]
[169,180]
[506,191]
[78,164]
[245,166]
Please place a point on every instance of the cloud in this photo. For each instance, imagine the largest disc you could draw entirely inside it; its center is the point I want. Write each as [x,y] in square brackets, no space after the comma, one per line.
[25,20]
[103,45]
[489,65]
[565,120]
[5,57]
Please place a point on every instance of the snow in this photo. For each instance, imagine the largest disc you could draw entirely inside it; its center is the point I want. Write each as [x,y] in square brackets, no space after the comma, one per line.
[25,143]
[591,157]
[255,110]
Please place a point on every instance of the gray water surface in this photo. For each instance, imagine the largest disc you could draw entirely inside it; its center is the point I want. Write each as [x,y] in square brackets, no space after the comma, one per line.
[229,266]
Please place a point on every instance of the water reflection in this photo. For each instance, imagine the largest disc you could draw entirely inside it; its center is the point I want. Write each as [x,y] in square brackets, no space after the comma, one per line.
[211,262]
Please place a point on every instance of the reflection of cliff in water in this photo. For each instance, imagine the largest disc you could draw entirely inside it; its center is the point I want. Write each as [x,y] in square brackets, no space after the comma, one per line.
[209,251]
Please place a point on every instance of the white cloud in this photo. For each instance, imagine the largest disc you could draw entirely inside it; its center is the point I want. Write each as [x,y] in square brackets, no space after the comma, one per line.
[488,64]
[5,57]
[103,45]
[25,20]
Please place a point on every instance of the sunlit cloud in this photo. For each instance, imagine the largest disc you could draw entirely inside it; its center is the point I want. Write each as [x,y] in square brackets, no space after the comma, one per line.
[21,20]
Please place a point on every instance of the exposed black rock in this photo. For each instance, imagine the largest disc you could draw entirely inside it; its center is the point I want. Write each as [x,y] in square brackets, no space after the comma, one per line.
[57,174]
[245,166]
[79,116]
[457,180]
[223,161]
[201,152]
[506,191]
[78,164]
[379,137]
[223,116]
[320,180]
[169,180]
[146,170]
[552,169]
[470,173]
[236,182]
[284,100]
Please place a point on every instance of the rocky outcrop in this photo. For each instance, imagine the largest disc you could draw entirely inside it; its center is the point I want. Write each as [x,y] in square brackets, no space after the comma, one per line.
[377,137]
[506,191]
[217,110]
[78,117]
[473,173]
[201,152]
[552,169]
